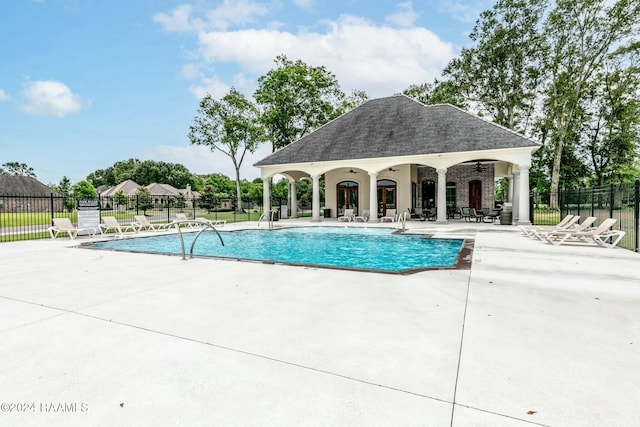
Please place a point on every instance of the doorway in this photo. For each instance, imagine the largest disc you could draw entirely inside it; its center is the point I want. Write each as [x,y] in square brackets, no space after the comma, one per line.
[347,196]
[386,196]
[475,194]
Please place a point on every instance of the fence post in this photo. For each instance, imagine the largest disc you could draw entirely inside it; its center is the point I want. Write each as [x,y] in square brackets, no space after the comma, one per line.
[531,197]
[51,202]
[611,200]
[636,214]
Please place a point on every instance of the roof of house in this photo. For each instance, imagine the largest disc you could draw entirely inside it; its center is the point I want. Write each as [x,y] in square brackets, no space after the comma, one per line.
[24,185]
[129,188]
[398,126]
[157,189]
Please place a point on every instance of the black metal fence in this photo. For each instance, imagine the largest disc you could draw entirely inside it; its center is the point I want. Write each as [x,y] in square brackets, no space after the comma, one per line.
[26,217]
[621,202]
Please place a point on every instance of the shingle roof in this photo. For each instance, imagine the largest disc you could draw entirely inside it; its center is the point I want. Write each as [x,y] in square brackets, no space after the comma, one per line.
[397,126]
[129,188]
[23,185]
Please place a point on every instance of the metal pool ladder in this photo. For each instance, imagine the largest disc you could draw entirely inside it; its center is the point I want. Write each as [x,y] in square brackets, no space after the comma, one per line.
[207,225]
[267,216]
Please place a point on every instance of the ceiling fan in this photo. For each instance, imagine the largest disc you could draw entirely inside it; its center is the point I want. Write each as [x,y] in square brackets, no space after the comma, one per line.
[479,167]
[393,170]
[351,171]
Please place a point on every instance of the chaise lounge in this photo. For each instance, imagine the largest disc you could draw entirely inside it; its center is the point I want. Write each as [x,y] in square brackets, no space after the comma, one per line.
[64,225]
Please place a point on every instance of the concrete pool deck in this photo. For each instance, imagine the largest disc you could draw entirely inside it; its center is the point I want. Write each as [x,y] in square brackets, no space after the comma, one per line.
[532,334]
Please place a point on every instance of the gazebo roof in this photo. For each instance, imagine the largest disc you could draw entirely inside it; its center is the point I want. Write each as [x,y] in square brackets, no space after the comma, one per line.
[398,126]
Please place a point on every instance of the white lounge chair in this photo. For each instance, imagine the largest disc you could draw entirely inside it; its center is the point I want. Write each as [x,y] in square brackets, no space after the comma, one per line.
[390,216]
[142,223]
[213,222]
[183,217]
[554,233]
[347,216]
[110,223]
[528,230]
[570,224]
[362,218]
[64,225]
[599,235]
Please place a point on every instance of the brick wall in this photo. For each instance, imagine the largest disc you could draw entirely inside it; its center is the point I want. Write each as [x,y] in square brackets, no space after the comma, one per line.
[461,175]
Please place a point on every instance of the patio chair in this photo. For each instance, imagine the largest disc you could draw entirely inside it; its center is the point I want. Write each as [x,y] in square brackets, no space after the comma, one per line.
[142,223]
[390,216]
[567,222]
[110,223]
[362,218]
[470,213]
[347,216]
[490,215]
[64,225]
[560,235]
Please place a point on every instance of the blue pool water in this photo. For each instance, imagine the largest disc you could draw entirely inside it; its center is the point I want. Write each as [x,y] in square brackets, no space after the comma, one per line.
[358,248]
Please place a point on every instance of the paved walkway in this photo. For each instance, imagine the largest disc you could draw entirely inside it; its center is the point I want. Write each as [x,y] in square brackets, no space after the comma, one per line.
[533,334]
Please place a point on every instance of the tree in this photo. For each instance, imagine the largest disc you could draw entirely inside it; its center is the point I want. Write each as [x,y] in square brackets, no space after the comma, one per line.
[501,73]
[612,124]
[104,177]
[230,126]
[208,199]
[83,190]
[297,98]
[438,92]
[581,35]
[120,199]
[17,169]
[144,199]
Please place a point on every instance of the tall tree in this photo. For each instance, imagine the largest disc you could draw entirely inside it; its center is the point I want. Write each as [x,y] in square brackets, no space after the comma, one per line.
[581,35]
[18,169]
[297,98]
[438,92]
[500,74]
[230,126]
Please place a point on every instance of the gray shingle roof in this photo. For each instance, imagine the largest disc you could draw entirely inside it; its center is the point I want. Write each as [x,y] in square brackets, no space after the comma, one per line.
[24,186]
[397,126]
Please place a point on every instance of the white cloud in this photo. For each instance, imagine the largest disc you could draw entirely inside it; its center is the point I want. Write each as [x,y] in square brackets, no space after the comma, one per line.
[404,17]
[50,98]
[3,96]
[378,59]
[201,160]
[228,13]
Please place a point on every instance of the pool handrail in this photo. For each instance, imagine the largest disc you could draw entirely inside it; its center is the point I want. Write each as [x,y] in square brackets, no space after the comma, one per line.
[207,225]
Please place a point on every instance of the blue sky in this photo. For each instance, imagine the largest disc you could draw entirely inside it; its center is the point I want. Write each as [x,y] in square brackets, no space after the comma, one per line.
[85,83]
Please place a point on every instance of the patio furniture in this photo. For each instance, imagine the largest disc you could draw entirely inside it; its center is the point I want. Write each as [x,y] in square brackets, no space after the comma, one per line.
[600,235]
[142,223]
[567,222]
[64,225]
[470,213]
[347,216]
[390,216]
[110,223]
[490,214]
[362,218]
[560,233]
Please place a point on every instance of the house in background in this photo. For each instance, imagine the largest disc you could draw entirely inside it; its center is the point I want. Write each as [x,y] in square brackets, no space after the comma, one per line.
[396,153]
[27,194]
[160,193]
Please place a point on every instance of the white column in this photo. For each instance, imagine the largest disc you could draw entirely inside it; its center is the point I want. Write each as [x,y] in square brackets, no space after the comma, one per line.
[523,217]
[373,196]
[515,202]
[315,211]
[294,199]
[266,194]
[442,197]
[510,190]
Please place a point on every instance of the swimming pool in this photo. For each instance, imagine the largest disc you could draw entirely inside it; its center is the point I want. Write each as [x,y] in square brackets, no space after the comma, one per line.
[371,249]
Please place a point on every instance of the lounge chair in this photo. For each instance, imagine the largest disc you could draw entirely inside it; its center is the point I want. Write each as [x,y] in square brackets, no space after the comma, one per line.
[142,223]
[182,217]
[347,216]
[362,218]
[567,223]
[390,216]
[64,225]
[558,237]
[213,222]
[110,223]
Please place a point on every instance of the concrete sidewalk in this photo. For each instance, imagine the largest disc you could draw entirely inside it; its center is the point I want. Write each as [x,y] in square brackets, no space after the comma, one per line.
[533,334]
